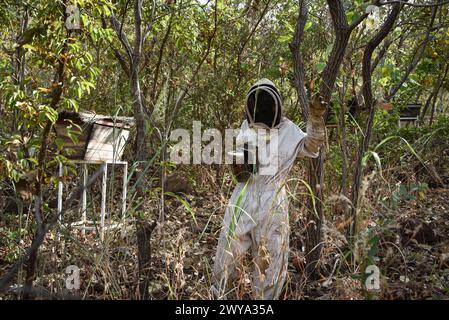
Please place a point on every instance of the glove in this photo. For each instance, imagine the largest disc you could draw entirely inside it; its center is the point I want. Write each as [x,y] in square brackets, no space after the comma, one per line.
[317,109]
[316,129]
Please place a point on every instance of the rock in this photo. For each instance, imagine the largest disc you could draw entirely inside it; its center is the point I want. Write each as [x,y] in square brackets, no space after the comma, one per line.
[416,229]
[444,259]
[178,182]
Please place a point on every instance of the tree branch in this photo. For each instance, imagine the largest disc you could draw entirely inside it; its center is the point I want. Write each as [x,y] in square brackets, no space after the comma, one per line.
[342,32]
[420,5]
[121,59]
[415,59]
[161,53]
[121,35]
[369,102]
[195,73]
[242,48]
[138,31]
[298,63]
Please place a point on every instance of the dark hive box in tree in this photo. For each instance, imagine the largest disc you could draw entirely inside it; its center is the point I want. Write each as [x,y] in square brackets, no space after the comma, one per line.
[410,111]
[92,137]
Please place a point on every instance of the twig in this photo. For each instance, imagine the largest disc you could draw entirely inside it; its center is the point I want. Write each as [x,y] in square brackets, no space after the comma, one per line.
[421,5]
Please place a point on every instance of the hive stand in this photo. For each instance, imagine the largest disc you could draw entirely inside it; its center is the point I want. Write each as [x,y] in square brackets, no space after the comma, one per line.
[85,224]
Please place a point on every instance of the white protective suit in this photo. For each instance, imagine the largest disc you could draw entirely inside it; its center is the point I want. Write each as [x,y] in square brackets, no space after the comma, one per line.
[257,215]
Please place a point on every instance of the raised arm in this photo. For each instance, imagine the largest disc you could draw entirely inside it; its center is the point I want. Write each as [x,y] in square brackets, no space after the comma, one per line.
[316,131]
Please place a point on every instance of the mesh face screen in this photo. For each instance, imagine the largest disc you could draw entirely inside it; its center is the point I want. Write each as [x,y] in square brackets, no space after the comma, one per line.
[262,107]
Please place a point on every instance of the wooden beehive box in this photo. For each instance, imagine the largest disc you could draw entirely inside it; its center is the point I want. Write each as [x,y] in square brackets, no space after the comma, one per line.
[410,111]
[92,137]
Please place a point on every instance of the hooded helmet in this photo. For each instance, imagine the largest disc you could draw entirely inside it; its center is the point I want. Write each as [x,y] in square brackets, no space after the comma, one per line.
[264,104]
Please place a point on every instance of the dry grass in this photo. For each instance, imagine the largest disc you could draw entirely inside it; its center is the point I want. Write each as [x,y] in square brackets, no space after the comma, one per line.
[182,250]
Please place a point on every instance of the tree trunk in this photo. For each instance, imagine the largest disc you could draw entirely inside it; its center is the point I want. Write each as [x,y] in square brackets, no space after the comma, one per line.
[315,167]
[313,231]
[369,102]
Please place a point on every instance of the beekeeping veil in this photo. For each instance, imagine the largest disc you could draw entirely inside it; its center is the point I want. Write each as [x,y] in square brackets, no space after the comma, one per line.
[264,104]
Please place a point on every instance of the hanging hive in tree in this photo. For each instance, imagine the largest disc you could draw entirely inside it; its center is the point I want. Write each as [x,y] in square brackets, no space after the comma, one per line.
[93,137]
[409,114]
[410,111]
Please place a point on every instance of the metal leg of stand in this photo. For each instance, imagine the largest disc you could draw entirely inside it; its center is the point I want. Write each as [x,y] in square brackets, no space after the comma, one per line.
[124,195]
[84,199]
[103,199]
[60,190]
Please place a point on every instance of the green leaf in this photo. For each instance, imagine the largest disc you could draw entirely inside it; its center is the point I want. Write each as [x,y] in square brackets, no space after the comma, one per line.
[59,143]
[307,25]
[285,38]
[320,66]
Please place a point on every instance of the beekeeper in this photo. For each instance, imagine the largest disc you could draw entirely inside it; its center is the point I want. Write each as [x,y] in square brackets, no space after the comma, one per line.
[256,217]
